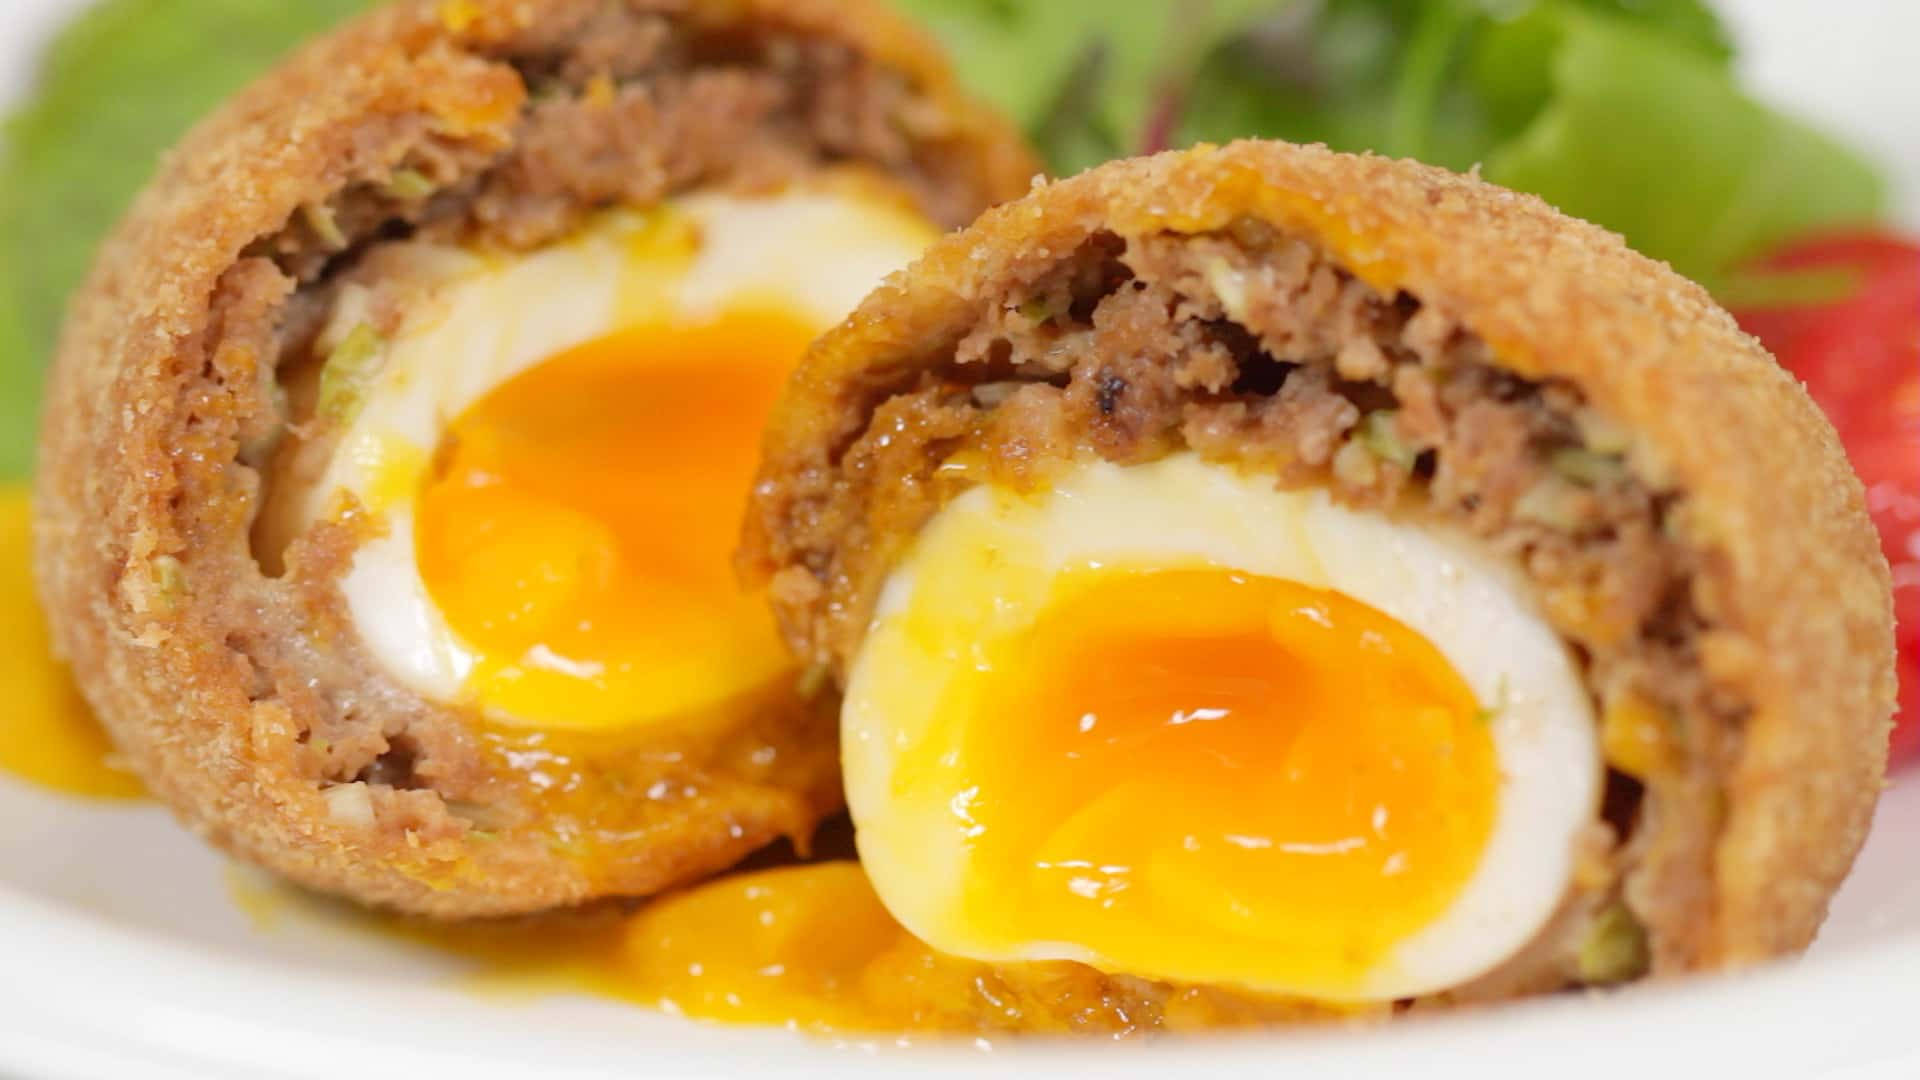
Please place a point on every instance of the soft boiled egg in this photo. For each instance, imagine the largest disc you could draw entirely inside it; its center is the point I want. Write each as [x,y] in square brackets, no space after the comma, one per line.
[1172,722]
[552,451]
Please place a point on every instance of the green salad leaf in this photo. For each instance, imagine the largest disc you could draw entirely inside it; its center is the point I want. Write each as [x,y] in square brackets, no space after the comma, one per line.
[119,85]
[1716,180]
[19,385]
[1086,80]
[1377,75]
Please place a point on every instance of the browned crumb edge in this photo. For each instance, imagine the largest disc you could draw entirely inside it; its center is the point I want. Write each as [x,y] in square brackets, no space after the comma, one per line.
[632,109]
[1250,346]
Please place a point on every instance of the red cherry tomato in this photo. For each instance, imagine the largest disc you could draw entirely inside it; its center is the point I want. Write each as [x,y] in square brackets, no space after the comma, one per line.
[1860,359]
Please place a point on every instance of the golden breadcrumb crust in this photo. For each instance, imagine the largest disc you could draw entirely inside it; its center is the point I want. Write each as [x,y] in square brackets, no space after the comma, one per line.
[1790,577]
[143,515]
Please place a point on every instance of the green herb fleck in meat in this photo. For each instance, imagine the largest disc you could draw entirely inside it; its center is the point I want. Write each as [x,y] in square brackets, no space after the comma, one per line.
[349,368]
[1587,467]
[408,185]
[1615,948]
[1381,435]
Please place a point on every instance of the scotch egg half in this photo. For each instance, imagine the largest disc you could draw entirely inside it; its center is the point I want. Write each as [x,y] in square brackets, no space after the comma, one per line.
[1172,722]
[550,454]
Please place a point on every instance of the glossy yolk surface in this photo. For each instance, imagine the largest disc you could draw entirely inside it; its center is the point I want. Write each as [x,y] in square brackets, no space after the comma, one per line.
[1223,778]
[578,528]
[48,736]
[786,947]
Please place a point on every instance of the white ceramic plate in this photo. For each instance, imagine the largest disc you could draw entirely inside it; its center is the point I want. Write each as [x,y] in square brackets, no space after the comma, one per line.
[123,953]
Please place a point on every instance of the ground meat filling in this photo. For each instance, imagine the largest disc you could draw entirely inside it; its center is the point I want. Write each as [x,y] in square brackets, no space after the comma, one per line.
[626,108]
[1252,347]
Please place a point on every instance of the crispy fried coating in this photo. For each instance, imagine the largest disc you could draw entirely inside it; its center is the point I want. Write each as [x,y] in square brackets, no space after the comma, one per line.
[242,696]
[1727,580]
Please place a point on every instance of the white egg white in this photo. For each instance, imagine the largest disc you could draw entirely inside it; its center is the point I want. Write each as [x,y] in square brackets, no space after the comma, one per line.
[981,569]
[478,319]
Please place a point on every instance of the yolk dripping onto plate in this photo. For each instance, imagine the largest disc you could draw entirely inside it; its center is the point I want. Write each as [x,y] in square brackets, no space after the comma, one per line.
[49,737]
[790,947]
[578,526]
[807,947]
[1221,777]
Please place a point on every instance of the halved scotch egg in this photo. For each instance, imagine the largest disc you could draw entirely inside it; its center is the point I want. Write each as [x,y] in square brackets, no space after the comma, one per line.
[550,452]
[391,469]
[1325,581]
[1167,719]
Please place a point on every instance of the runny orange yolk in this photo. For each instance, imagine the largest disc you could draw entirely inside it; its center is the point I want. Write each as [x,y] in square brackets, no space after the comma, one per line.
[577,531]
[48,736]
[1219,777]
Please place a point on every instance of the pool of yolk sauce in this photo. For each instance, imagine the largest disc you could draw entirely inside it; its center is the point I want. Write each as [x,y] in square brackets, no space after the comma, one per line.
[803,947]
[1307,844]
[49,737]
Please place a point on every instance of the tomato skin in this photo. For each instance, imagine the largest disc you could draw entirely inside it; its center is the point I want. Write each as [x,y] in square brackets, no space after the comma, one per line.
[1860,360]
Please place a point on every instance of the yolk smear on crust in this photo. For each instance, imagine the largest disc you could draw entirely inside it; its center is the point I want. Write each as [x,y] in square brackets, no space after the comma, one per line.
[1220,777]
[49,737]
[578,529]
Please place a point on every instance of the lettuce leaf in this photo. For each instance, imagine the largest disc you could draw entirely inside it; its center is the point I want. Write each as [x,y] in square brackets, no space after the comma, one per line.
[19,386]
[1640,135]
[117,87]
[1355,74]
[1084,79]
